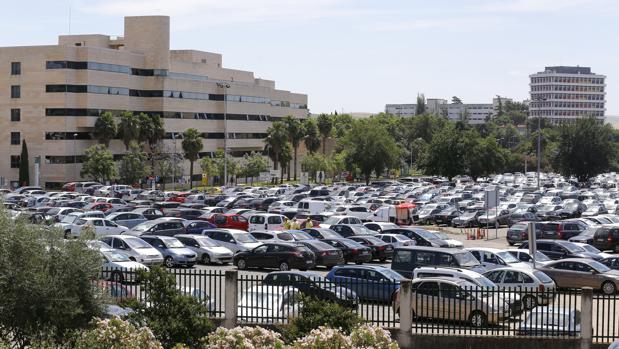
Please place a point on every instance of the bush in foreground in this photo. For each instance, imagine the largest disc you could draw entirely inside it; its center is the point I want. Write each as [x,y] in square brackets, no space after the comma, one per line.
[116,333]
[372,337]
[323,338]
[243,338]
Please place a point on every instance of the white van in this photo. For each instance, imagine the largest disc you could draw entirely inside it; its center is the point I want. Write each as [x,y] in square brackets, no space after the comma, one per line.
[313,206]
[266,221]
[384,214]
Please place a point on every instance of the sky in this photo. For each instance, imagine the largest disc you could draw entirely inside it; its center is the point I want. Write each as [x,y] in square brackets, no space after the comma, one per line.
[358,55]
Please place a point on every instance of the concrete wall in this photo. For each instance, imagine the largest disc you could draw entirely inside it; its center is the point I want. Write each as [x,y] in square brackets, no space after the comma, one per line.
[464,342]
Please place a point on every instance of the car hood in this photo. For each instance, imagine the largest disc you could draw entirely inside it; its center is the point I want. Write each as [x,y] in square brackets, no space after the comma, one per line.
[250,245]
[131,265]
[218,250]
[454,243]
[151,251]
[179,251]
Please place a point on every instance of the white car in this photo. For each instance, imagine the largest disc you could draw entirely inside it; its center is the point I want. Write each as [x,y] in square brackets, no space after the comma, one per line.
[118,267]
[397,240]
[452,243]
[137,249]
[358,211]
[280,206]
[333,220]
[233,239]
[266,221]
[535,287]
[525,257]
[67,222]
[268,303]
[102,226]
[492,258]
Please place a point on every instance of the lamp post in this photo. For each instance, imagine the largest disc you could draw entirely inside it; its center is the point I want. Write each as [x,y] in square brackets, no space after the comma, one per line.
[75,154]
[174,162]
[225,87]
[539,140]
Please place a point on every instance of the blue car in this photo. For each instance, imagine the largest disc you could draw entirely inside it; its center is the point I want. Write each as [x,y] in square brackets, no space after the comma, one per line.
[369,282]
[196,227]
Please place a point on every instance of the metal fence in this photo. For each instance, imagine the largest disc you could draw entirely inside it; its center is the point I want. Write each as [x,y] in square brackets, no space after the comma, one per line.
[605,318]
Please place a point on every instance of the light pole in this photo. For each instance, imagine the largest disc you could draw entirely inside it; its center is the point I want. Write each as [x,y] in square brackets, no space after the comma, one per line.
[75,154]
[539,140]
[174,162]
[225,87]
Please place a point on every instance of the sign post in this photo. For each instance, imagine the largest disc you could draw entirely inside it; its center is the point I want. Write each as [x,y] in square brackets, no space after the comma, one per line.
[532,241]
[491,200]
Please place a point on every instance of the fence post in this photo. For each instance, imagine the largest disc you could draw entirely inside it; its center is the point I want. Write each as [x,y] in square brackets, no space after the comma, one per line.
[231,291]
[586,318]
[404,336]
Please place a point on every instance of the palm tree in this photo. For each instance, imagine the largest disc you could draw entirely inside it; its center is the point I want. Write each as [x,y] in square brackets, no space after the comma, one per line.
[128,128]
[285,155]
[325,125]
[312,140]
[192,145]
[275,141]
[105,128]
[296,132]
[151,131]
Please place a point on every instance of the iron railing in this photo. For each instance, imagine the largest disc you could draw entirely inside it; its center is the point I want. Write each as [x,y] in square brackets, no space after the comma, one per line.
[605,318]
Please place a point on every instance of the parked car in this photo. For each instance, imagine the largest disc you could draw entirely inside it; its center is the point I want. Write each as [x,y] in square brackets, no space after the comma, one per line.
[352,250]
[467,219]
[421,237]
[396,240]
[127,219]
[322,233]
[380,249]
[266,303]
[494,217]
[518,233]
[160,226]
[406,259]
[208,251]
[173,251]
[326,255]
[313,285]
[379,226]
[347,230]
[587,235]
[521,216]
[580,272]
[230,221]
[281,255]
[607,238]
[101,226]
[266,221]
[562,230]
[149,212]
[118,267]
[233,239]
[137,249]
[185,213]
[592,249]
[370,283]
[535,287]
[558,249]
[446,216]
[525,257]
[197,226]
[551,321]
[333,220]
[492,258]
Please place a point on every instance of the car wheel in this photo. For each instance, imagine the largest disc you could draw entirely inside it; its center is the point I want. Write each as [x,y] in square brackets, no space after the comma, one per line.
[358,263]
[283,266]
[608,287]
[241,264]
[168,262]
[529,302]
[382,260]
[206,259]
[478,319]
[116,276]
[511,243]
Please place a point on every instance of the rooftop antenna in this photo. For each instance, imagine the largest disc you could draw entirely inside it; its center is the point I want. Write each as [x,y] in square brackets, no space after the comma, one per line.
[70,6]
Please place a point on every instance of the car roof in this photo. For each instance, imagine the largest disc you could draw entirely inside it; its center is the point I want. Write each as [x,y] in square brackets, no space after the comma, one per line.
[487,249]
[522,270]
[368,267]
[432,249]
[304,273]
[450,270]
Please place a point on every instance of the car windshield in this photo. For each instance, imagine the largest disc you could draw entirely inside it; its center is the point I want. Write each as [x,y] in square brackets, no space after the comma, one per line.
[547,208]
[301,235]
[425,234]
[392,274]
[332,220]
[246,238]
[143,227]
[137,243]
[319,245]
[468,214]
[573,248]
[590,248]
[440,235]
[599,267]
[425,211]
[507,257]
[361,230]
[329,234]
[206,242]
[466,259]
[172,243]
[116,257]
[542,277]
[68,219]
[401,237]
[540,257]
[485,282]
[374,240]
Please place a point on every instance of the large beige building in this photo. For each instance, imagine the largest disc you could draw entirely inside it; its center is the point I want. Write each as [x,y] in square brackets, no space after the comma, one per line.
[51,96]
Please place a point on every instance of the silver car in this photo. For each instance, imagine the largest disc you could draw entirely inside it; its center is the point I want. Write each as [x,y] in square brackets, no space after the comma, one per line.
[137,249]
[173,251]
[127,219]
[208,250]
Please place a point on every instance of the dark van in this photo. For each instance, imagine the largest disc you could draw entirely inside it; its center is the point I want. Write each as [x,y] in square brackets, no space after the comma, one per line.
[406,259]
[607,238]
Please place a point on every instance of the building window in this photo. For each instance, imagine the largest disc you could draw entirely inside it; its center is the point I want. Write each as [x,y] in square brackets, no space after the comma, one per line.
[15,138]
[15,91]
[15,160]
[15,68]
[15,114]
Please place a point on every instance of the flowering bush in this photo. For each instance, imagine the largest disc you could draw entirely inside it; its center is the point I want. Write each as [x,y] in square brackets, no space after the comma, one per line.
[370,336]
[116,334]
[243,338]
[323,338]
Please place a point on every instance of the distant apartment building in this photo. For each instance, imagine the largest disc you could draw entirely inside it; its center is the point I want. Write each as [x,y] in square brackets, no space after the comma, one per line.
[52,95]
[473,113]
[565,93]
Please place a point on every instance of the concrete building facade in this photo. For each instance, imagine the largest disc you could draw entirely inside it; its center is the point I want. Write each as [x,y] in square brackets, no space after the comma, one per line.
[474,113]
[51,96]
[563,94]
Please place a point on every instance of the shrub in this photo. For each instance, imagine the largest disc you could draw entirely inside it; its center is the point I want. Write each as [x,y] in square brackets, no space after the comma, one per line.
[116,333]
[243,338]
[371,337]
[173,317]
[323,338]
[315,313]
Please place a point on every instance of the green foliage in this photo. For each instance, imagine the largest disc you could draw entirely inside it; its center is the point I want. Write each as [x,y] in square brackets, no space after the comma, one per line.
[296,132]
[215,166]
[325,126]
[445,154]
[341,124]
[585,149]
[105,128]
[315,313]
[24,165]
[151,129]
[128,128]
[420,107]
[313,163]
[252,165]
[276,142]
[173,317]
[192,145]
[98,164]
[133,166]
[312,139]
[45,284]
[370,147]
[116,333]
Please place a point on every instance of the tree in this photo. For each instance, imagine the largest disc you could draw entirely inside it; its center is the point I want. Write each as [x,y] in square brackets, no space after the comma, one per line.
[275,142]
[296,132]
[165,163]
[420,107]
[325,125]
[46,283]
[253,165]
[98,164]
[445,154]
[585,149]
[192,145]
[456,100]
[312,139]
[24,165]
[132,168]
[128,128]
[105,128]
[285,155]
[374,151]
[312,163]
[151,129]
[341,124]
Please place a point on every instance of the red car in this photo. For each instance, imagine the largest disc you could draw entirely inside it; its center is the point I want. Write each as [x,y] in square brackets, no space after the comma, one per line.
[98,206]
[232,221]
[180,197]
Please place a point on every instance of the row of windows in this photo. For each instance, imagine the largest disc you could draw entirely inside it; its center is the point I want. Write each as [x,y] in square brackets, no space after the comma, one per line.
[577,113]
[587,105]
[571,96]
[219,135]
[59,136]
[106,67]
[568,88]
[567,80]
[87,89]
[165,114]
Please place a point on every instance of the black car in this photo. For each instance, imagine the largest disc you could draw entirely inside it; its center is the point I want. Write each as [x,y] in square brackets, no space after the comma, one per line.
[522,216]
[422,237]
[517,233]
[380,249]
[347,230]
[352,250]
[280,255]
[326,255]
[611,262]
[313,285]
[185,213]
[587,236]
[559,249]
[446,216]
[322,233]
[606,238]
[197,226]
[562,230]
[149,212]
[571,209]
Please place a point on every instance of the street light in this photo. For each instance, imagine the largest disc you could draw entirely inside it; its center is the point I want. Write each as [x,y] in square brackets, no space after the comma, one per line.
[539,140]
[225,87]
[174,162]
[75,154]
